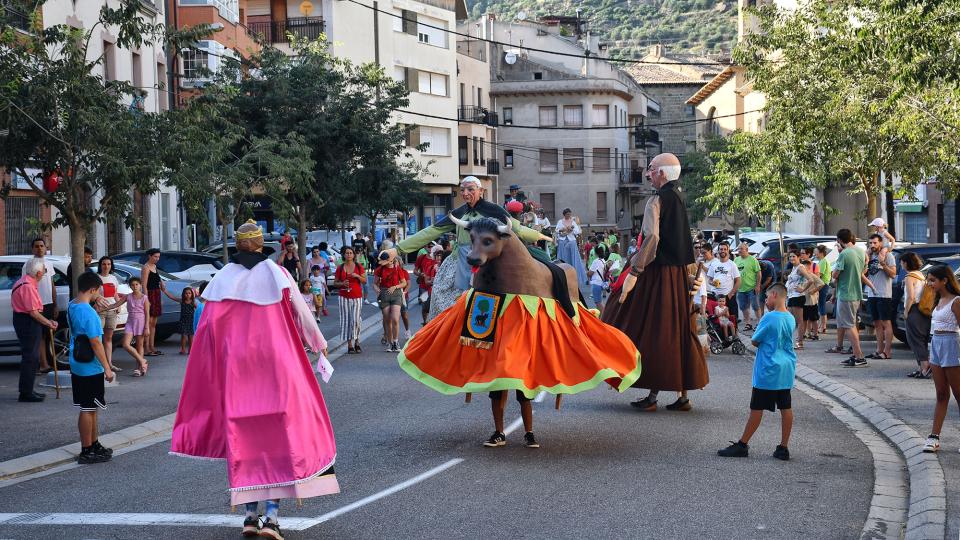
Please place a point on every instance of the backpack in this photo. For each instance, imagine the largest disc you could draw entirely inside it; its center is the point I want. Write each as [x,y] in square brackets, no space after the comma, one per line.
[927,297]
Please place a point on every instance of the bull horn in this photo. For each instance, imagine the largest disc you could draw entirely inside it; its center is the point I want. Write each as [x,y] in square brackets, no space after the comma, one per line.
[458,222]
[505,229]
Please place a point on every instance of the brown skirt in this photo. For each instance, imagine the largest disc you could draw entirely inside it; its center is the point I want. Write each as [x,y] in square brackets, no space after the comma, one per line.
[656,317]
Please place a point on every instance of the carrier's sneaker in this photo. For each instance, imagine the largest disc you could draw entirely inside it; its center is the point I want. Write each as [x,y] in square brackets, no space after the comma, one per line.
[736,449]
[782,453]
[495,440]
[932,445]
[251,527]
[270,530]
[90,457]
[530,440]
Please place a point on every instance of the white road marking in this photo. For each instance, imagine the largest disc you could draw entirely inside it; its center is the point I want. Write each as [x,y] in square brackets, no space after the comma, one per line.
[208,520]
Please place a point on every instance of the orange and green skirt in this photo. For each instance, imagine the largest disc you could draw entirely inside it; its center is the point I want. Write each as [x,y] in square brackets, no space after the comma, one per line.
[488,342]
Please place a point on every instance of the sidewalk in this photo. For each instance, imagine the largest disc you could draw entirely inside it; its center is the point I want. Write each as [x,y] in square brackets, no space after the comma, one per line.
[909,400]
[35,427]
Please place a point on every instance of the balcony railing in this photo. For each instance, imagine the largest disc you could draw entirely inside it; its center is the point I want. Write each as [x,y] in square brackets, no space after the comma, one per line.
[478,115]
[279,31]
[633,178]
[473,48]
[14,18]
[493,166]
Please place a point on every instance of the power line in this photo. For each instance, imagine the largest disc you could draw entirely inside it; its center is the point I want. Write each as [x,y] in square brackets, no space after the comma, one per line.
[635,126]
[545,51]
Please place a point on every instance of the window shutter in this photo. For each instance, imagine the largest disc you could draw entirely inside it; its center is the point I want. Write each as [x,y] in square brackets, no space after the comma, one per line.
[412,78]
[413,136]
[410,22]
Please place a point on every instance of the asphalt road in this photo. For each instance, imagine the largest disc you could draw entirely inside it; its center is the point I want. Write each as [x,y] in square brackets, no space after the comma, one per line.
[604,470]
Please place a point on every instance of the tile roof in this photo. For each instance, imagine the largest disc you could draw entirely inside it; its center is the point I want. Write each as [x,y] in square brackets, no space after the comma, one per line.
[657,74]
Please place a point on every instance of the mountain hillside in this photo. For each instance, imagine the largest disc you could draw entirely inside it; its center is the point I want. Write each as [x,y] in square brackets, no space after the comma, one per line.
[631,26]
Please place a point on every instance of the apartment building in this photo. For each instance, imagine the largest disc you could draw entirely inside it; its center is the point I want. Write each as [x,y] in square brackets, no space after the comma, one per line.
[145,68]
[477,133]
[411,39]
[594,165]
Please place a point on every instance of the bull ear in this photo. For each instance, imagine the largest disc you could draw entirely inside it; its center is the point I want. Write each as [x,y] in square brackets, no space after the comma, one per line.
[505,229]
[459,222]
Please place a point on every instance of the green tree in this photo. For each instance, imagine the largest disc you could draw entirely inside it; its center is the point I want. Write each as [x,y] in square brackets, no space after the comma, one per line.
[697,167]
[58,115]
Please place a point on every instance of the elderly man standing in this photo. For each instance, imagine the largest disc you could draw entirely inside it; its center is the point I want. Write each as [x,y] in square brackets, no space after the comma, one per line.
[48,295]
[29,324]
[654,308]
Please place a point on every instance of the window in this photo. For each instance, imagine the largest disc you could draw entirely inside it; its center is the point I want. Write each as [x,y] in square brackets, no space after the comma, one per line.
[601,115]
[109,61]
[476,152]
[194,64]
[431,83]
[137,68]
[572,159]
[601,159]
[463,94]
[400,73]
[573,115]
[413,136]
[432,36]
[483,159]
[653,113]
[407,23]
[462,151]
[508,116]
[538,76]
[691,110]
[601,206]
[548,116]
[438,140]
[20,213]
[479,97]
[164,221]
[162,102]
[548,160]
[548,202]
[508,159]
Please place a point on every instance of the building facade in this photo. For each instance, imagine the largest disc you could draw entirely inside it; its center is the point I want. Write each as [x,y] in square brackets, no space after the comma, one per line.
[477,131]
[145,68]
[593,164]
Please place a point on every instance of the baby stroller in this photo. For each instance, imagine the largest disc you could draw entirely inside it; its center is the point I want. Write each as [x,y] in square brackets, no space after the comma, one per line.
[715,331]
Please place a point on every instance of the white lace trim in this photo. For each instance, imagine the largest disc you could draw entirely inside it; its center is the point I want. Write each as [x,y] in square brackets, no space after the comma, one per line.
[291,483]
[262,285]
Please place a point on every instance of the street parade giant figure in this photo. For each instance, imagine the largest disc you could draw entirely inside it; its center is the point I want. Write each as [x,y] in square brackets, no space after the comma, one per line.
[654,305]
[520,327]
[250,395]
[453,276]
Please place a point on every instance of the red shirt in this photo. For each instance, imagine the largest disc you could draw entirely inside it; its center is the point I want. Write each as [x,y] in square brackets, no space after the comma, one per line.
[355,289]
[427,270]
[25,297]
[391,276]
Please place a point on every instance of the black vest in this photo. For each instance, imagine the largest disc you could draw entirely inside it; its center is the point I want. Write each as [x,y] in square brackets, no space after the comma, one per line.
[676,246]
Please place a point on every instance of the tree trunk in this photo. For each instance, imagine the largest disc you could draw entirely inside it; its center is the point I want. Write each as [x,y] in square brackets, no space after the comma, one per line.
[888,188]
[302,240]
[78,240]
[223,234]
[783,255]
[343,235]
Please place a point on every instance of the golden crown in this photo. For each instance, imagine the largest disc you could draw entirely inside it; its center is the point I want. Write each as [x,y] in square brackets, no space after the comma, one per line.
[258,233]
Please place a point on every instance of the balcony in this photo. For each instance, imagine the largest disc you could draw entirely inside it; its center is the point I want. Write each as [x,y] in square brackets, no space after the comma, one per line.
[279,31]
[648,138]
[15,18]
[631,179]
[478,115]
[473,48]
[493,167]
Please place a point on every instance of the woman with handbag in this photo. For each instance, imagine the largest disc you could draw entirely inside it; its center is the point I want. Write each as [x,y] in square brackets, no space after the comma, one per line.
[349,279]
[916,314]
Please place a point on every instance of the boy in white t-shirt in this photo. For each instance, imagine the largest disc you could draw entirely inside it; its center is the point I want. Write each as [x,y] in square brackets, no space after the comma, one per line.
[597,273]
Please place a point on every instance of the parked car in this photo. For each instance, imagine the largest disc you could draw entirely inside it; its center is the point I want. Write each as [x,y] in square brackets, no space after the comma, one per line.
[770,250]
[169,322]
[271,246]
[900,325]
[188,265]
[11,269]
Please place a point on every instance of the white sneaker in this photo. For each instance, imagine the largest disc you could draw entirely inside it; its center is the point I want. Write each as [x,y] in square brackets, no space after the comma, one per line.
[406,334]
[932,445]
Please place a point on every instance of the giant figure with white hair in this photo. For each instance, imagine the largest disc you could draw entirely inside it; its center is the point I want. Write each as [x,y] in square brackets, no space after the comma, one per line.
[654,305]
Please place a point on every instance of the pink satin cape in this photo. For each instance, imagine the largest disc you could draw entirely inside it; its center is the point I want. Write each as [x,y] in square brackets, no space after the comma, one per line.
[250,397]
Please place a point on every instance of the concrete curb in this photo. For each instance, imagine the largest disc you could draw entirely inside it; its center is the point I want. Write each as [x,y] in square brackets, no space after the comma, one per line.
[927,512]
[48,459]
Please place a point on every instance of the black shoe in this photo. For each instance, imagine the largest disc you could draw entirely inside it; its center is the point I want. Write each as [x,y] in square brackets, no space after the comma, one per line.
[856,362]
[495,440]
[736,449]
[101,449]
[681,404]
[530,441]
[251,527]
[645,404]
[31,398]
[395,347]
[270,530]
[90,457]
[782,453]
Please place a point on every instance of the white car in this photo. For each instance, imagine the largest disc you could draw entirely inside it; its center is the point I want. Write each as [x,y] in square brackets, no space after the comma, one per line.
[11,269]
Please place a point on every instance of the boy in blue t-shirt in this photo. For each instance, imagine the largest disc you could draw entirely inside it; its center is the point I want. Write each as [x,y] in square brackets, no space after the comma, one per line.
[87,376]
[773,373]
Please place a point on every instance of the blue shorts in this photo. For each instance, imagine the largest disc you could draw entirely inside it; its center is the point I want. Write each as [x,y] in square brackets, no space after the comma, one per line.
[748,300]
[945,350]
[597,292]
[822,300]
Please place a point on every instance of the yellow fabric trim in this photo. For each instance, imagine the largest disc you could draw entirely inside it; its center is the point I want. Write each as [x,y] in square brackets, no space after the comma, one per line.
[532,303]
[550,305]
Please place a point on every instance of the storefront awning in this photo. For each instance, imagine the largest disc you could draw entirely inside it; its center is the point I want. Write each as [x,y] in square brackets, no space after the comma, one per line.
[909,207]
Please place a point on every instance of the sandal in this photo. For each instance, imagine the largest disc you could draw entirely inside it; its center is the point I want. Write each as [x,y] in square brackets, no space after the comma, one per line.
[834,350]
[873,356]
[798,346]
[358,349]
[138,373]
[882,356]
[115,369]
[927,375]
[351,350]
[913,374]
